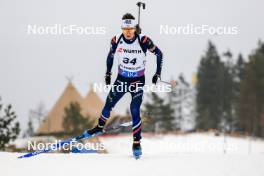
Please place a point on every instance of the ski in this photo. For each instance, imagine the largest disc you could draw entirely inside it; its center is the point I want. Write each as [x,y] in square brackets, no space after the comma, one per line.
[84,135]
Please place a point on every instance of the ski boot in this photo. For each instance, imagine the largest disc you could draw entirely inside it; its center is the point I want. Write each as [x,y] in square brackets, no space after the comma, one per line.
[136,148]
[91,132]
[87,134]
[96,130]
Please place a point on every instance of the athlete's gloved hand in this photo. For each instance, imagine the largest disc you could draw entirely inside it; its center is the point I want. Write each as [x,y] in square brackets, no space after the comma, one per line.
[155,78]
[108,78]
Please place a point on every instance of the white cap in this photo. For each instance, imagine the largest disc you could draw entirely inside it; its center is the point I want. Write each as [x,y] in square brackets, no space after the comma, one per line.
[128,23]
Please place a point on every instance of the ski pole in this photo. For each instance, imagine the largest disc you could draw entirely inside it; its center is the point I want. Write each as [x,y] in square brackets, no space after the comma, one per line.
[126,124]
[139,7]
[170,83]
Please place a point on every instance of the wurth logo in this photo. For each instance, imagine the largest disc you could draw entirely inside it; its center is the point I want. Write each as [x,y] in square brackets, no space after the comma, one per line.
[120,50]
[132,51]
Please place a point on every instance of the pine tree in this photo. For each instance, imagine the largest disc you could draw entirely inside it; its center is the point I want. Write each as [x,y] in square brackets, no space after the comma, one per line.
[175,101]
[167,118]
[160,114]
[9,129]
[181,101]
[74,122]
[210,90]
[228,99]
[153,109]
[251,99]
[30,129]
[240,67]
[239,70]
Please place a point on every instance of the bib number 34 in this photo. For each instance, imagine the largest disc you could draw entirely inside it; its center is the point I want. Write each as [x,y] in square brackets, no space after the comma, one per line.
[131,61]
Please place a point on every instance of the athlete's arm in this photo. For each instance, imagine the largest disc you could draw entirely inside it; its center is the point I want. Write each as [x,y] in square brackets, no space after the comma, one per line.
[110,56]
[149,45]
[110,60]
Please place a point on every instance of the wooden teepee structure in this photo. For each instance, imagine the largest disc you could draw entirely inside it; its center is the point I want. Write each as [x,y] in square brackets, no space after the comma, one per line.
[54,120]
[91,107]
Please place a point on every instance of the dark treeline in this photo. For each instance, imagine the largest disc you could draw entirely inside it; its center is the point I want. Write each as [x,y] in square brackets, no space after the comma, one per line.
[230,92]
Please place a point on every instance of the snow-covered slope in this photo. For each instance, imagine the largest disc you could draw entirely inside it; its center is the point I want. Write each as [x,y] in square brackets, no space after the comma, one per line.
[186,143]
[188,155]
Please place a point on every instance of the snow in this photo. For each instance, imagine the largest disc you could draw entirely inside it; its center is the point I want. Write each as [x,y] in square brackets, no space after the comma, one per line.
[188,155]
[23,142]
[186,143]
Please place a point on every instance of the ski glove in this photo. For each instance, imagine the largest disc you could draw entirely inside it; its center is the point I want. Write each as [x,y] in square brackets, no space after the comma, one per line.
[108,78]
[155,78]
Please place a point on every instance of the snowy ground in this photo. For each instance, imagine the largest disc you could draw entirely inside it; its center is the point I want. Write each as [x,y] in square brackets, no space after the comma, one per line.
[188,155]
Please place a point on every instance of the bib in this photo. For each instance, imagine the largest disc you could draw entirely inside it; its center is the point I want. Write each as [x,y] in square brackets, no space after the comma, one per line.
[131,58]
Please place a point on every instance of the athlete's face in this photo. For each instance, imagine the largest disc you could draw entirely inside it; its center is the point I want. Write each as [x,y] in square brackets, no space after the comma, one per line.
[129,33]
